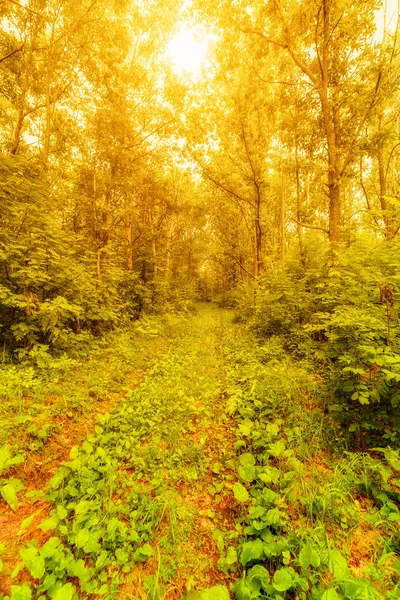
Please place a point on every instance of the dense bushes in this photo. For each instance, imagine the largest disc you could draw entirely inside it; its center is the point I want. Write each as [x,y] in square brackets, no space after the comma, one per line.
[341,315]
[51,290]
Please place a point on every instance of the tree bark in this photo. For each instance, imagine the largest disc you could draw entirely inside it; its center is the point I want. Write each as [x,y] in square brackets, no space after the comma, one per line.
[299,212]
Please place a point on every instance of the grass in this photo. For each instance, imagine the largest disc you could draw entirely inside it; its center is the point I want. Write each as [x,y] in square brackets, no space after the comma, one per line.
[183,456]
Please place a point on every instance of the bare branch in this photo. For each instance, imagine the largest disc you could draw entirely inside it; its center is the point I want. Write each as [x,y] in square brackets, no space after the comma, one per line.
[11,53]
[309,226]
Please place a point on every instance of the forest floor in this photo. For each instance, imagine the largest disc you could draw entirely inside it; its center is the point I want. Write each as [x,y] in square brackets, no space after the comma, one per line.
[180,456]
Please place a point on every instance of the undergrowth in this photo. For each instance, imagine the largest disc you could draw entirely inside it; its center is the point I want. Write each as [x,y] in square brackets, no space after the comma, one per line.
[221,474]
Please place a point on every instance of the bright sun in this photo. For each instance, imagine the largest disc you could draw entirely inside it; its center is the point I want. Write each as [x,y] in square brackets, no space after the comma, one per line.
[187,53]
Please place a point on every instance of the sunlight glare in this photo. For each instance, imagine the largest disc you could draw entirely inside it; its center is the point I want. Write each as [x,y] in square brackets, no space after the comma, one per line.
[187,53]
[386,18]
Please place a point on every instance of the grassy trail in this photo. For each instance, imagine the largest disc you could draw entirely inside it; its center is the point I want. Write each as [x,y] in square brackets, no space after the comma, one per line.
[219,465]
[145,466]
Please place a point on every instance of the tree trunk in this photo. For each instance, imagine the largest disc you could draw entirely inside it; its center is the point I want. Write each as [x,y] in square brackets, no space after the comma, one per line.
[387,219]
[299,212]
[128,235]
[258,242]
[282,221]
[332,128]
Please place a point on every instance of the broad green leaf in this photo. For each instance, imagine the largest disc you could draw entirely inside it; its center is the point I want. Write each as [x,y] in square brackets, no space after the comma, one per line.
[247,473]
[6,459]
[270,475]
[309,556]
[28,554]
[252,550]
[104,589]
[10,496]
[231,556]
[143,553]
[36,567]
[21,592]
[242,592]
[330,594]
[257,577]
[34,495]
[277,449]
[66,592]
[337,564]
[256,512]
[273,517]
[240,492]
[244,429]
[25,524]
[282,580]
[73,453]
[49,524]
[62,512]
[77,569]
[82,538]
[247,459]
[50,547]
[218,592]
[273,429]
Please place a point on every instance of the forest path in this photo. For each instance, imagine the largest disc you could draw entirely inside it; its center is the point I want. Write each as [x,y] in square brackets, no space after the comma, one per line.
[141,495]
[168,494]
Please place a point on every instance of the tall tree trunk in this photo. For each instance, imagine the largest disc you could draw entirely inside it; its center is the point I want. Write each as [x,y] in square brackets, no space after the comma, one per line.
[49,107]
[168,252]
[282,212]
[128,234]
[258,242]
[299,212]
[332,128]
[388,221]
[24,91]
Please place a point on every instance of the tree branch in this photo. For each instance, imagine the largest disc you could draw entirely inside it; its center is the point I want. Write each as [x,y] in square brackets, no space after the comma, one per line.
[309,226]
[12,53]
[241,266]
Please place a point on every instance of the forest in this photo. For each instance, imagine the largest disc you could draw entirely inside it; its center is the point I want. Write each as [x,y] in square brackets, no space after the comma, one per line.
[199,300]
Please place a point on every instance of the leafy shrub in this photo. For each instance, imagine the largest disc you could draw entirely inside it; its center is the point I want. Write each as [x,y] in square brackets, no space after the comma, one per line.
[340,312]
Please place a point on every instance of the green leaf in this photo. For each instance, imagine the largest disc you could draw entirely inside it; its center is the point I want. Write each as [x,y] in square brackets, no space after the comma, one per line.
[282,580]
[242,592]
[34,495]
[10,496]
[330,594]
[103,590]
[73,453]
[82,538]
[231,556]
[62,512]
[240,492]
[338,564]
[25,524]
[277,449]
[218,592]
[49,524]
[66,592]
[50,547]
[21,592]
[257,577]
[252,550]
[309,556]
[6,461]
[28,554]
[247,459]
[143,553]
[247,473]
[36,567]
